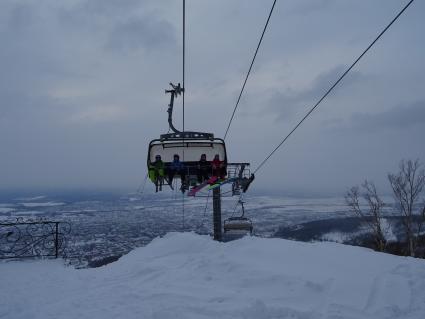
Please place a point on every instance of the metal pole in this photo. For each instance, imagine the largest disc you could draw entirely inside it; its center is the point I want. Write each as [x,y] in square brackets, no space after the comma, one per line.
[217,213]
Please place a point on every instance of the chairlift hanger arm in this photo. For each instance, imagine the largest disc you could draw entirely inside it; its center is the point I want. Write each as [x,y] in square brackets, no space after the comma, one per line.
[174,92]
[243,207]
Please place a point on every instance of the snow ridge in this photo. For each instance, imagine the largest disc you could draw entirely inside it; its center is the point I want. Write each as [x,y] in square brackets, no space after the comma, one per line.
[184,275]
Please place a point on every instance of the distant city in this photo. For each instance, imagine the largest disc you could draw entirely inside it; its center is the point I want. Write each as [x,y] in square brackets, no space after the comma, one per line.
[106,226]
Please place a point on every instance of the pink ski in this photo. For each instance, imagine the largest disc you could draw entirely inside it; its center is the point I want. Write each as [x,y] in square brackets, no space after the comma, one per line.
[196,189]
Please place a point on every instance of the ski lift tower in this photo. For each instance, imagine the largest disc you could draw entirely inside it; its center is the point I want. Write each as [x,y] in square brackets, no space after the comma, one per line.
[239,176]
[218,235]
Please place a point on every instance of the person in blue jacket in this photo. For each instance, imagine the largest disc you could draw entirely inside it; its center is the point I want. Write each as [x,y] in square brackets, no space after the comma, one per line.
[177,167]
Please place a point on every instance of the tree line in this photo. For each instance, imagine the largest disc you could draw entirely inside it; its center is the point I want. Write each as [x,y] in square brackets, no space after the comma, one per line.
[408,185]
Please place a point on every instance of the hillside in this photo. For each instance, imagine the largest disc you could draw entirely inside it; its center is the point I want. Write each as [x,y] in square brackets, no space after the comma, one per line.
[184,275]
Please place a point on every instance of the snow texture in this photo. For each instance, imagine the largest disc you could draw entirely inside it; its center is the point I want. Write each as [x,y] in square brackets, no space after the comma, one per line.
[184,275]
[4,210]
[337,237]
[31,198]
[46,204]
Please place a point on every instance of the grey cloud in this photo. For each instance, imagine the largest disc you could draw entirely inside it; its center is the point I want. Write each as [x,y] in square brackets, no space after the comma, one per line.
[286,103]
[309,7]
[21,16]
[28,105]
[119,25]
[82,87]
[147,33]
[90,11]
[110,7]
[401,117]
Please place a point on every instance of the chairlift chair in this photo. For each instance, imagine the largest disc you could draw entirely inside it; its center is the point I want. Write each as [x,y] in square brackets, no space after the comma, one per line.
[189,151]
[188,145]
[238,225]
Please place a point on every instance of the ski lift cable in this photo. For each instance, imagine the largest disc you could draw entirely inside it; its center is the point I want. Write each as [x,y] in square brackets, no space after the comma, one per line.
[206,205]
[249,70]
[174,196]
[227,192]
[205,209]
[184,88]
[236,206]
[184,65]
[183,211]
[333,86]
[142,186]
[237,203]
[201,224]
[222,195]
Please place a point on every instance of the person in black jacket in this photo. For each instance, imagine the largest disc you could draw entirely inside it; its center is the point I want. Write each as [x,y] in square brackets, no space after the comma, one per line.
[204,169]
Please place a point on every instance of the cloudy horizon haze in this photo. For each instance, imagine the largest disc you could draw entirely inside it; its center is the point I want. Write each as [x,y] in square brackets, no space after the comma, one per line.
[82,89]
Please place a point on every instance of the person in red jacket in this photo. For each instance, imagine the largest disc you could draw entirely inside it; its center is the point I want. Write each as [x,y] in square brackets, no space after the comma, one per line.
[218,167]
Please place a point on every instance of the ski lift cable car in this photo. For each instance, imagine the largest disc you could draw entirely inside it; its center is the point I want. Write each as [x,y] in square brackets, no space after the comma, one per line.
[189,146]
[240,224]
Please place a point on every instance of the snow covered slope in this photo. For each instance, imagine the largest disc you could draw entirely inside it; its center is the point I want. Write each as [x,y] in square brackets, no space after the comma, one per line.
[184,275]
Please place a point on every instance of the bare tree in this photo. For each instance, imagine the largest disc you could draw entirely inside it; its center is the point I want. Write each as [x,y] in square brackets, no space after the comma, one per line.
[407,186]
[373,217]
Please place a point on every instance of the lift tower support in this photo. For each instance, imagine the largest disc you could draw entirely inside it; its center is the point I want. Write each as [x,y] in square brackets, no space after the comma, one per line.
[240,177]
[217,214]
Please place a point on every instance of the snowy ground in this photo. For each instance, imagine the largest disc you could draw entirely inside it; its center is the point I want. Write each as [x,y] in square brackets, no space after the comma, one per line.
[185,275]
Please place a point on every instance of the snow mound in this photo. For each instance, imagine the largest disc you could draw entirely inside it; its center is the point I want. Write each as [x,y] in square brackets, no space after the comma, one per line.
[184,275]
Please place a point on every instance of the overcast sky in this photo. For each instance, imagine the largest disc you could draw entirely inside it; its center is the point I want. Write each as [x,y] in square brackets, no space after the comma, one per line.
[82,89]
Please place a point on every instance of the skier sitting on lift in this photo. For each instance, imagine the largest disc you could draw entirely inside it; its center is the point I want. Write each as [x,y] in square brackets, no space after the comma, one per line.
[218,167]
[204,169]
[177,167]
[156,172]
